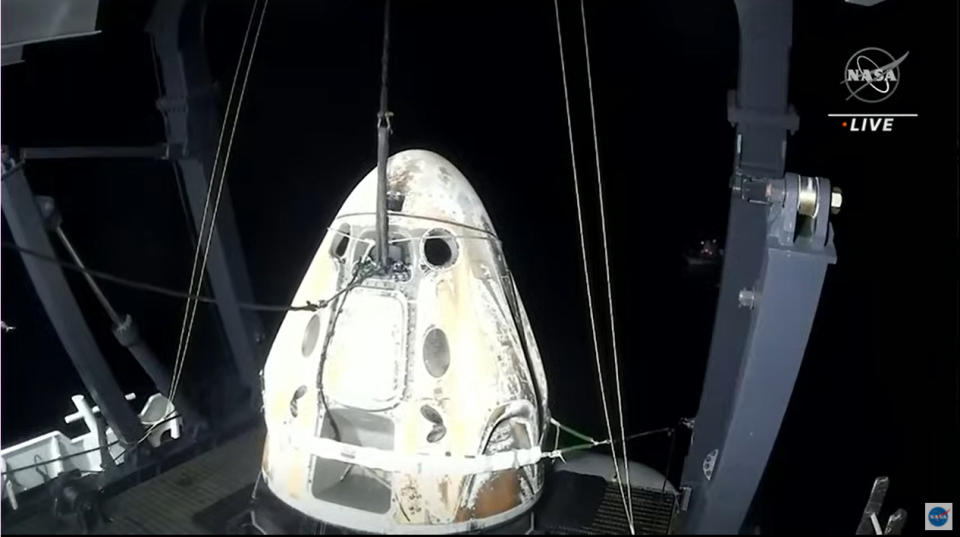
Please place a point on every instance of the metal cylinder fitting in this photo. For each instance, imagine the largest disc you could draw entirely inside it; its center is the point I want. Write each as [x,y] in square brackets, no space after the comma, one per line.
[807,195]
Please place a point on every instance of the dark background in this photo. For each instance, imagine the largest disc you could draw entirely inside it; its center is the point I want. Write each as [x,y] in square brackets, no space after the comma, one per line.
[480,83]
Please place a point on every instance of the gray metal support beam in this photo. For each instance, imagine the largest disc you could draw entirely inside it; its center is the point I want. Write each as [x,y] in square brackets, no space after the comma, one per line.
[773,272]
[161,151]
[759,106]
[192,120]
[778,246]
[26,225]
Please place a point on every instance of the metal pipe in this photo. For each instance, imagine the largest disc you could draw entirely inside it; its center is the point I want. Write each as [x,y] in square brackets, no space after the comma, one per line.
[807,202]
[383,142]
[160,151]
[128,334]
[77,416]
[383,146]
[114,316]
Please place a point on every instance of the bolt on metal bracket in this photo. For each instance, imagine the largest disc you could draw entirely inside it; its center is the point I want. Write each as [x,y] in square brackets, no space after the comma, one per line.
[747,298]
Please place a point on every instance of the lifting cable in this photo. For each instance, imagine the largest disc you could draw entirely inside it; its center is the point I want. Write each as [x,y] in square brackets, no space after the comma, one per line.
[589,442]
[606,264]
[196,276]
[586,274]
[383,145]
[362,269]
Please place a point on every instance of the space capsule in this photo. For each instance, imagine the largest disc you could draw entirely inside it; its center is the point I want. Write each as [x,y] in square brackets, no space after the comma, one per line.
[415,401]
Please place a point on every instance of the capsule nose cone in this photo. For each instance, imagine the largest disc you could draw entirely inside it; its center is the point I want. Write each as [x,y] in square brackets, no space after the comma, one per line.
[423,184]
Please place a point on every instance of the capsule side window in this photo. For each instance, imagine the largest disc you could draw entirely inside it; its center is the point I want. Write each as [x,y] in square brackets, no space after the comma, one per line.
[436,352]
[439,248]
[341,242]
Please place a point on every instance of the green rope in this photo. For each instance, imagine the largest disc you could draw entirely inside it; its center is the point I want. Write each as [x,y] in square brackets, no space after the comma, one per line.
[575,433]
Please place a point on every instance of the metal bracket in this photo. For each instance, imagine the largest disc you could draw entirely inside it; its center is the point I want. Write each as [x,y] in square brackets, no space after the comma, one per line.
[869,523]
[684,503]
[798,204]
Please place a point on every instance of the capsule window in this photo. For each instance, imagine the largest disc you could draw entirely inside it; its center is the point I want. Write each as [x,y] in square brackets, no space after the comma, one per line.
[341,242]
[301,391]
[353,485]
[399,251]
[366,247]
[440,248]
[310,335]
[436,352]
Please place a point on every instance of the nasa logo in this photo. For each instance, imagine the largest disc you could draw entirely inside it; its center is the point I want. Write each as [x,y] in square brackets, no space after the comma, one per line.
[938,516]
[872,74]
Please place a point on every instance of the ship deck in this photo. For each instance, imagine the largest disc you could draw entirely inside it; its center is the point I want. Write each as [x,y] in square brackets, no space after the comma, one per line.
[209,492]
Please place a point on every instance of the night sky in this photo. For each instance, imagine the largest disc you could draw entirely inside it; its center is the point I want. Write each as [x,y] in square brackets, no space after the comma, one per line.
[480,84]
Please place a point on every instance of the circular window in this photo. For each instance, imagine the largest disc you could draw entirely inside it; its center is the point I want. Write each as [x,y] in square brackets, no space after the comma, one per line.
[436,352]
[310,335]
[440,248]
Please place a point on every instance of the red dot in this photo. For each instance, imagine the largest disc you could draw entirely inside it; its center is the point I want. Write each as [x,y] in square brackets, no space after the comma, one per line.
[844,123]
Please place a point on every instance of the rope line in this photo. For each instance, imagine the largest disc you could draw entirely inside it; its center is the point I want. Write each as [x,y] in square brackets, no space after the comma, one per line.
[206,206]
[606,264]
[586,269]
[585,446]
[570,430]
[395,214]
[223,170]
[165,291]
[591,443]
[361,272]
[409,239]
[12,470]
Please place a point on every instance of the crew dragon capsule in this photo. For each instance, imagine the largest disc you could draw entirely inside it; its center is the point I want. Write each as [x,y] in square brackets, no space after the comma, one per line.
[415,401]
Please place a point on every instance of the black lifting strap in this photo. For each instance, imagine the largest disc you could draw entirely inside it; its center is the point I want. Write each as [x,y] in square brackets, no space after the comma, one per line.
[383,146]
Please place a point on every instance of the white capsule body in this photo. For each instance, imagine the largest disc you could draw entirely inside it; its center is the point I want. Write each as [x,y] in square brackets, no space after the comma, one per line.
[431,373]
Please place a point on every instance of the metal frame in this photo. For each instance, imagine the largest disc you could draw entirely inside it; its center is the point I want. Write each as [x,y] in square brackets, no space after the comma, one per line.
[191,116]
[190,112]
[779,243]
[777,252]
[150,151]
[79,452]
[27,226]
